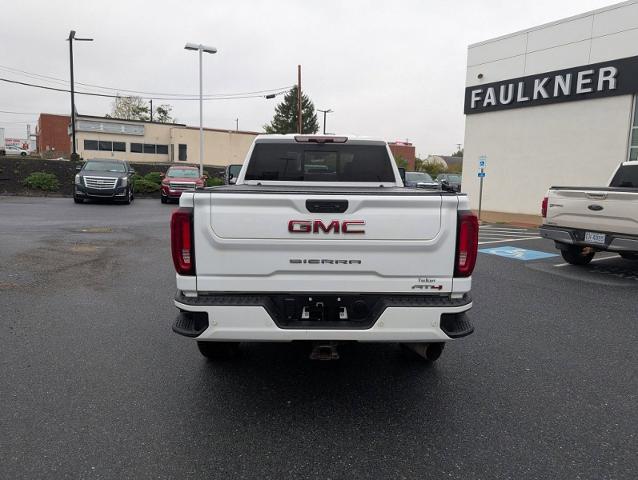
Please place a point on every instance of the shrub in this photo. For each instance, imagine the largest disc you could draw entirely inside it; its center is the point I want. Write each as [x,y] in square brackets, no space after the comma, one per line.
[144,186]
[214,181]
[135,178]
[42,181]
[153,177]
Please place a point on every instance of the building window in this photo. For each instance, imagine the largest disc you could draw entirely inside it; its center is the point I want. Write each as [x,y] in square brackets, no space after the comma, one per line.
[149,148]
[105,146]
[633,147]
[182,152]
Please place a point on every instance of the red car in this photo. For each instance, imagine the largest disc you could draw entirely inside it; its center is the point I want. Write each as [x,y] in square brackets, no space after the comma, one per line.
[180,178]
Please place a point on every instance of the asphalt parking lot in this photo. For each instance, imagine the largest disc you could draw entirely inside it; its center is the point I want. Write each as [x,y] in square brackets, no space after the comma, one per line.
[93,383]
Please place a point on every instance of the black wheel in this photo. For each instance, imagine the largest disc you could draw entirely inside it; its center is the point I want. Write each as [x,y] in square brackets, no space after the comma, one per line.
[163,199]
[629,255]
[78,200]
[218,350]
[427,351]
[23,154]
[129,197]
[577,255]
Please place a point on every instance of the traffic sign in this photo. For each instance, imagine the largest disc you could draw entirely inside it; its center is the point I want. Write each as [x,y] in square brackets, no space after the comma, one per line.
[483,161]
[481,174]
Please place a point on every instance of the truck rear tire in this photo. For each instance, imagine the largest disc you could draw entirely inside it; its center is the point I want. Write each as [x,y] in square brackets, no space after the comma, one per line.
[218,350]
[576,255]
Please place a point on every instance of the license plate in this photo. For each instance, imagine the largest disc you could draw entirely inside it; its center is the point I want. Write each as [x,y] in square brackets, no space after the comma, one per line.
[595,237]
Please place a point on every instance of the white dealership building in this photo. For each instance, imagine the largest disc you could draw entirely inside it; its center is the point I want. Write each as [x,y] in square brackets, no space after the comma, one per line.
[551,105]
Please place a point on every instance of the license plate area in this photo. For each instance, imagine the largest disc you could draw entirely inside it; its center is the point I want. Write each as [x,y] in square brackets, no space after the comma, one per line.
[597,238]
[325,311]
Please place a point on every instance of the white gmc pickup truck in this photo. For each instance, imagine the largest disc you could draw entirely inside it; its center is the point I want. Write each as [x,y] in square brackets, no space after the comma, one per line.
[586,220]
[319,241]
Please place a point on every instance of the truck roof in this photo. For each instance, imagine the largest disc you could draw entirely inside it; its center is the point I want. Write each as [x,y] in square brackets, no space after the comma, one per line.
[292,138]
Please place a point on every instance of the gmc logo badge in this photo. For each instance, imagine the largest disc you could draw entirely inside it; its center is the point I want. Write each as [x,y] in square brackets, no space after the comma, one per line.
[317,226]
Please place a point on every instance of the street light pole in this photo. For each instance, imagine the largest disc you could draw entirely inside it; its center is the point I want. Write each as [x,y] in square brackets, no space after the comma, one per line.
[201,49]
[324,118]
[72,37]
[201,117]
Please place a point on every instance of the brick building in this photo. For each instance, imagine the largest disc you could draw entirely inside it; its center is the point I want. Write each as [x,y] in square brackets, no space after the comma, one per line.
[53,134]
[404,150]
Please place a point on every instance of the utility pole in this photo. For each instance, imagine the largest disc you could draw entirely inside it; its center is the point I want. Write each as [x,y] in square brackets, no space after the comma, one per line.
[72,37]
[299,114]
[151,109]
[237,124]
[324,118]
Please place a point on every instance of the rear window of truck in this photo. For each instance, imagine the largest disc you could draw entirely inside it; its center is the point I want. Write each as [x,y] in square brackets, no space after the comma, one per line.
[320,163]
[626,177]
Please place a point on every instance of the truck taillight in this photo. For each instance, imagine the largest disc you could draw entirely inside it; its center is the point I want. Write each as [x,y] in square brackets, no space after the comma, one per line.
[544,207]
[466,244]
[182,241]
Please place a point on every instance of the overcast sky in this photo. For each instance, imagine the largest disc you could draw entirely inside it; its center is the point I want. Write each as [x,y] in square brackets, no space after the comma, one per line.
[390,69]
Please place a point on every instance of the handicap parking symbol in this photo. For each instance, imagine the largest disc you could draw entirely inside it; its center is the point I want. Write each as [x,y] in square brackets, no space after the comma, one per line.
[517,253]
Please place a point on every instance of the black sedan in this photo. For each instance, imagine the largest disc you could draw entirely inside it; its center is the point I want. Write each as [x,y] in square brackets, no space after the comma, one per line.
[103,179]
[453,180]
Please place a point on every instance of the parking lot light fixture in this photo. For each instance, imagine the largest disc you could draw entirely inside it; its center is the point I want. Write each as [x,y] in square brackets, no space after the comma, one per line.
[201,49]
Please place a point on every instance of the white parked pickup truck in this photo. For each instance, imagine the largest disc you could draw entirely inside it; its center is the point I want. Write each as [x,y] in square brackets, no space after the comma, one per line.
[319,241]
[583,221]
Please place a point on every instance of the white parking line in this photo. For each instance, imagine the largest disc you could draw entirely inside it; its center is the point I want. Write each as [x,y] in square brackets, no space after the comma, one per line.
[508,240]
[594,260]
[495,233]
[507,234]
[497,229]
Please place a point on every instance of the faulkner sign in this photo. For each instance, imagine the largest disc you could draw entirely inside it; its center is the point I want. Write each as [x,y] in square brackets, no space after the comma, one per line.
[616,77]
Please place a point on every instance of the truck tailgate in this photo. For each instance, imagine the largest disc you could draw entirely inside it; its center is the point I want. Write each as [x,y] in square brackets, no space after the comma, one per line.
[245,241]
[604,210]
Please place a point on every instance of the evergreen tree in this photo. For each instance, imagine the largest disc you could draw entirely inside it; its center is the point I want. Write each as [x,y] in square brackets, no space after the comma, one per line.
[285,119]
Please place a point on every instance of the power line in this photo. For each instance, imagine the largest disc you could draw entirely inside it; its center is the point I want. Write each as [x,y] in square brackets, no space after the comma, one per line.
[155,95]
[95,94]
[18,113]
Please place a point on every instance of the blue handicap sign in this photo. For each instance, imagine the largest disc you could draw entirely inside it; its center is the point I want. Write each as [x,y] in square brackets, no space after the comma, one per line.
[517,253]
[482,164]
[481,174]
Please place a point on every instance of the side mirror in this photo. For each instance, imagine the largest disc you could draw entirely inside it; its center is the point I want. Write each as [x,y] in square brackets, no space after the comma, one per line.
[205,177]
[232,180]
[78,168]
[131,171]
[162,174]
[402,173]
